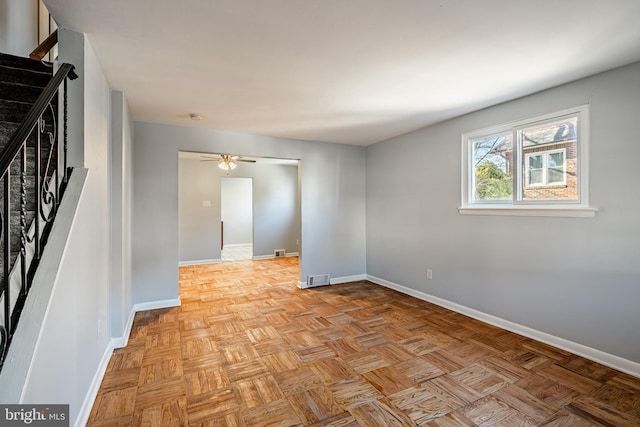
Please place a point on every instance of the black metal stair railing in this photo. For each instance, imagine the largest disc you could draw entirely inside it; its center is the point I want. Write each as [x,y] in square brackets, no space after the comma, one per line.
[33,176]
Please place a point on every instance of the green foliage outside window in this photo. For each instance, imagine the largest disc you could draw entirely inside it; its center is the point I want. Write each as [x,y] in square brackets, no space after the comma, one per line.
[492,183]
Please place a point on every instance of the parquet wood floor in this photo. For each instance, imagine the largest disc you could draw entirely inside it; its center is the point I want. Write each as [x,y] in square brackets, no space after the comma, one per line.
[247,348]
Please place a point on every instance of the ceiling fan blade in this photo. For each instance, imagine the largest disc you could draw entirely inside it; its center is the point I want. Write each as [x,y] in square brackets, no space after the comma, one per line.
[246,161]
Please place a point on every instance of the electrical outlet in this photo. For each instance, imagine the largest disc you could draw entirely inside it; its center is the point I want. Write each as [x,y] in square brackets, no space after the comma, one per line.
[429,274]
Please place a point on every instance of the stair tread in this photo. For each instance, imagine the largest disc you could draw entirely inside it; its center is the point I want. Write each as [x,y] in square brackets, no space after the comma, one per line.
[20,62]
[22,70]
[16,101]
[16,111]
[14,75]
[20,84]
[19,91]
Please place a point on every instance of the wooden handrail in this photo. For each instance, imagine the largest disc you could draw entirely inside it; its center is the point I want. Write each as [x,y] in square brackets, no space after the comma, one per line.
[43,48]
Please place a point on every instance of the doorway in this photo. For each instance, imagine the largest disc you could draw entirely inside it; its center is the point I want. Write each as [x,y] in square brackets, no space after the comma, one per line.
[236,213]
[271,202]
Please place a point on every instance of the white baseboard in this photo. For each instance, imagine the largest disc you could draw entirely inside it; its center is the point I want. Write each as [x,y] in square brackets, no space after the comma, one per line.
[261,257]
[338,280]
[117,342]
[217,260]
[616,362]
[89,400]
[124,339]
[238,245]
[347,279]
[199,262]
[154,305]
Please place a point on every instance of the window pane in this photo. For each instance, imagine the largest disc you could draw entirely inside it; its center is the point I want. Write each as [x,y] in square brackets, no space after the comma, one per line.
[556,168]
[493,167]
[550,133]
[551,149]
[535,177]
[535,162]
[556,159]
[555,176]
[534,170]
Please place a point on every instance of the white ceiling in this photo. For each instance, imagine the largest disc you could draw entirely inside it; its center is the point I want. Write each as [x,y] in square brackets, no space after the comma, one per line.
[346,71]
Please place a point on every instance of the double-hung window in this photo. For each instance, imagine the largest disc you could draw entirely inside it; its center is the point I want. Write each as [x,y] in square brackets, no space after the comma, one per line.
[536,166]
[546,168]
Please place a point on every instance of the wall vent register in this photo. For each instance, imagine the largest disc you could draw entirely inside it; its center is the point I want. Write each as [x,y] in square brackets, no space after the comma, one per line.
[318,280]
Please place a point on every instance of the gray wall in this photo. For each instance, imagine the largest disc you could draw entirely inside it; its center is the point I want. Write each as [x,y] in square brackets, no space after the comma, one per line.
[18,26]
[199,226]
[575,278]
[276,207]
[332,179]
[236,209]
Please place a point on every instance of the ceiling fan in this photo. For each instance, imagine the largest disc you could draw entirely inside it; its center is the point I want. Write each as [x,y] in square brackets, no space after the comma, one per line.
[226,162]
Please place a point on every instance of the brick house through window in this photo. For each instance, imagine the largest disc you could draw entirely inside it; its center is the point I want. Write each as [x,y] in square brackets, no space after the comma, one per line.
[549,161]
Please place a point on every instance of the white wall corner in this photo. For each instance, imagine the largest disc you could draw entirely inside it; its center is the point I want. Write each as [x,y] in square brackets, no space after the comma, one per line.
[120,342]
[92,393]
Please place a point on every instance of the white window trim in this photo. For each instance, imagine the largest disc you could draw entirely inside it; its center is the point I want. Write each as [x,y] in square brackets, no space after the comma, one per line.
[545,168]
[520,210]
[554,208]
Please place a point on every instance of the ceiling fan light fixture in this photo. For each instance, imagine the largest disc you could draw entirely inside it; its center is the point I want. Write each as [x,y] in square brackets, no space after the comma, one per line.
[227,163]
[227,166]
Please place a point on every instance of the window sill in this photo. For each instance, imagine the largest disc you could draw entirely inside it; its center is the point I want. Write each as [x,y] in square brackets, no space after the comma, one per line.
[529,211]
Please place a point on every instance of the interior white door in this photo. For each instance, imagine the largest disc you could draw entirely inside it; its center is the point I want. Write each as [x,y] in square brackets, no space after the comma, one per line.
[236,204]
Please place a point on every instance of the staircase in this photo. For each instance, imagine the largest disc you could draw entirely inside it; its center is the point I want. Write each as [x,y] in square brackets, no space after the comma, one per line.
[21,82]
[29,185]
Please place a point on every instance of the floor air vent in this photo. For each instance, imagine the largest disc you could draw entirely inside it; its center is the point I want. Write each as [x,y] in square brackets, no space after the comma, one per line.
[279,253]
[317,280]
